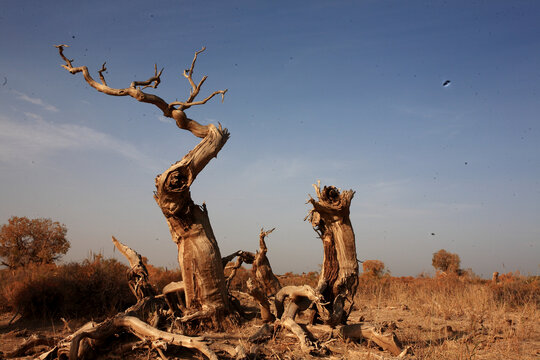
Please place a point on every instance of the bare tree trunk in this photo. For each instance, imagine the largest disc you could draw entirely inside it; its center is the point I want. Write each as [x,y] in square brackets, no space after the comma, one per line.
[198,252]
[339,274]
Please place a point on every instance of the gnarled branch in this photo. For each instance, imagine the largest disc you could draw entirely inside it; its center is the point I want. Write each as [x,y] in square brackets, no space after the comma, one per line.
[134,90]
[156,80]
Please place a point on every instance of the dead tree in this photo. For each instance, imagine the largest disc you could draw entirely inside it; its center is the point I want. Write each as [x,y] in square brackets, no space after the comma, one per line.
[203,291]
[339,274]
[198,252]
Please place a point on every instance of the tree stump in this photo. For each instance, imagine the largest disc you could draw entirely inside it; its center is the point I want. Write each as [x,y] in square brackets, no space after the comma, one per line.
[339,274]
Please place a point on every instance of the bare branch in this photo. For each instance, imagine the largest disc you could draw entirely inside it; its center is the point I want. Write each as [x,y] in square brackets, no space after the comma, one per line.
[262,244]
[189,72]
[61,51]
[264,234]
[103,68]
[132,91]
[136,87]
[195,89]
[187,105]
[29,343]
[143,331]
[156,79]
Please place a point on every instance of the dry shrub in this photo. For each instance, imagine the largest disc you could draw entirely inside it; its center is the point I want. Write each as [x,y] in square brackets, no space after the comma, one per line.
[371,287]
[159,276]
[373,268]
[289,279]
[96,287]
[514,290]
[445,261]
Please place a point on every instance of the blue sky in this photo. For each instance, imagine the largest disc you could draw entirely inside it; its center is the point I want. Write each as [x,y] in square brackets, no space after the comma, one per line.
[346,92]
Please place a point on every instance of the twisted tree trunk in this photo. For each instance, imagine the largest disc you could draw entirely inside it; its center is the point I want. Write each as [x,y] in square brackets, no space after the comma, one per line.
[198,252]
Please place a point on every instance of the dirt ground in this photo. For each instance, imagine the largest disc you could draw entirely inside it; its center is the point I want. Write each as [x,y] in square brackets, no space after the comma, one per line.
[512,335]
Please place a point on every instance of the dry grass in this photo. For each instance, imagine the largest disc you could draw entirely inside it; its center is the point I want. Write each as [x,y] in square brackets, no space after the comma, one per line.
[457,318]
[438,318]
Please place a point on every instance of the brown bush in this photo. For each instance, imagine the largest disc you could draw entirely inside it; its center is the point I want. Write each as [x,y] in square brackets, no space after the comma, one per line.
[289,279]
[517,291]
[373,268]
[239,280]
[446,261]
[159,276]
[96,287]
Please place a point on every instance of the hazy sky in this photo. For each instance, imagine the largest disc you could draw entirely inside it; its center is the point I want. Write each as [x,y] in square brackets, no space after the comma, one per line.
[347,92]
